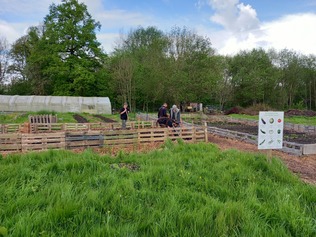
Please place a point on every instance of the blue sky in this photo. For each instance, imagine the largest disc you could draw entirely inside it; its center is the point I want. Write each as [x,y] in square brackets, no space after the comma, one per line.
[231,25]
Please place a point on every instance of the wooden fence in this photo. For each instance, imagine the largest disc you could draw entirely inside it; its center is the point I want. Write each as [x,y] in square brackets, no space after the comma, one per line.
[22,142]
[60,127]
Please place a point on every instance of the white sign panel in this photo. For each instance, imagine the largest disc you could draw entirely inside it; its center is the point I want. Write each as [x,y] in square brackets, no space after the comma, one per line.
[270,130]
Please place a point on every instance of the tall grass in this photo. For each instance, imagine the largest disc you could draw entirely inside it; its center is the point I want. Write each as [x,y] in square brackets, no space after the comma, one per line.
[178,190]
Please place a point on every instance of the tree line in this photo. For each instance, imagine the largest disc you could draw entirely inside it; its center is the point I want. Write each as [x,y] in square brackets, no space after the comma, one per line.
[148,67]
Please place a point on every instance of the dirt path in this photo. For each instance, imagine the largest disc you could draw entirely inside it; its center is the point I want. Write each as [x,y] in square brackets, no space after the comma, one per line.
[303,166]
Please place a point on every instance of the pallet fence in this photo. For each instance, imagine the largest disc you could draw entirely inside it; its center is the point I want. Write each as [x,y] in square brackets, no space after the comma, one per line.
[35,142]
[43,127]
[23,142]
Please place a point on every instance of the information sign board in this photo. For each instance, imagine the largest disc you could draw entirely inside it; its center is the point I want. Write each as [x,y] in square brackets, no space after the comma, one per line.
[270,130]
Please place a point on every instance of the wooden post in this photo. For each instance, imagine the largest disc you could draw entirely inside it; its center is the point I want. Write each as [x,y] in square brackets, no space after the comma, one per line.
[194,134]
[205,132]
[269,155]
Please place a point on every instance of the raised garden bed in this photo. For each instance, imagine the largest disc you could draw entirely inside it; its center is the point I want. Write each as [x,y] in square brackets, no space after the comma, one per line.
[80,119]
[104,119]
[290,136]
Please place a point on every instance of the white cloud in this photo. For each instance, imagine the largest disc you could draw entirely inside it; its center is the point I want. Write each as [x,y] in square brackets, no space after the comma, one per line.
[234,16]
[242,30]
[108,41]
[296,32]
[12,31]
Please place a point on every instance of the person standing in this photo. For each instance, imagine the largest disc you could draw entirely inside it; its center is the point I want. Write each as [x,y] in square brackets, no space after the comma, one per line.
[124,115]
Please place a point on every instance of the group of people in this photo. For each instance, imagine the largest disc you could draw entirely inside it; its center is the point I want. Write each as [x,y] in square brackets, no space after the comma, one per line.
[164,119]
[171,120]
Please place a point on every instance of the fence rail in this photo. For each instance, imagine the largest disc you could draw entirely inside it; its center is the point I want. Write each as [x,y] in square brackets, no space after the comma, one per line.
[59,127]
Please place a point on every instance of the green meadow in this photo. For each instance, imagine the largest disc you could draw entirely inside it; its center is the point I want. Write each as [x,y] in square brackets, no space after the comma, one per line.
[178,190]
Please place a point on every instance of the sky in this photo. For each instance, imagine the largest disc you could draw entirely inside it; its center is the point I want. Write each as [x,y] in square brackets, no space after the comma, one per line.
[231,25]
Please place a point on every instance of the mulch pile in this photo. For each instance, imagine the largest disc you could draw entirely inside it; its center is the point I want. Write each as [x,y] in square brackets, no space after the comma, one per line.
[250,111]
[297,112]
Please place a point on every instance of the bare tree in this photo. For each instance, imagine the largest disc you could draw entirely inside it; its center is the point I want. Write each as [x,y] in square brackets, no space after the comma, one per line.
[4,59]
[123,75]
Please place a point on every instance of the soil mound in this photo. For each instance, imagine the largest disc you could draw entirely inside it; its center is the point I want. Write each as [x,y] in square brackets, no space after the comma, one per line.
[297,112]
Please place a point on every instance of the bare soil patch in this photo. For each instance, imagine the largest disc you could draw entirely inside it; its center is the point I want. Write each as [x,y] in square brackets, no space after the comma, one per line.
[104,119]
[80,119]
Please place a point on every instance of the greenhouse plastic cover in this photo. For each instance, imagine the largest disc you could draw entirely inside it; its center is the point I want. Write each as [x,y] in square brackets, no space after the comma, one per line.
[64,104]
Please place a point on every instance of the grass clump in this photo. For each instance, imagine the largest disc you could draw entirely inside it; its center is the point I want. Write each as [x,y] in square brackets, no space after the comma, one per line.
[179,190]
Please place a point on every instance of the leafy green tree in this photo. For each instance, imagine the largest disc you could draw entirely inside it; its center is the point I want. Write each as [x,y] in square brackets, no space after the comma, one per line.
[38,61]
[19,86]
[223,88]
[192,76]
[19,53]
[309,74]
[141,59]
[252,76]
[175,67]
[291,81]
[67,57]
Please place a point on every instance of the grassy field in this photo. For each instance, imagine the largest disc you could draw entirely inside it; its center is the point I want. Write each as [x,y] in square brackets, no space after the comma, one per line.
[178,190]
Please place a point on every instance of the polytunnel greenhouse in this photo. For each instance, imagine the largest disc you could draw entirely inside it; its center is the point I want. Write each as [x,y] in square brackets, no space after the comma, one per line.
[63,104]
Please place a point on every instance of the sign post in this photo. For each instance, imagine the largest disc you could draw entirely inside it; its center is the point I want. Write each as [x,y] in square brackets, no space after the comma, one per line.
[270,130]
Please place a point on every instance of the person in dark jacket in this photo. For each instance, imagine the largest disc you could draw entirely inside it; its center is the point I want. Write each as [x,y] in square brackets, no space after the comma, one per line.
[124,115]
[163,111]
[165,122]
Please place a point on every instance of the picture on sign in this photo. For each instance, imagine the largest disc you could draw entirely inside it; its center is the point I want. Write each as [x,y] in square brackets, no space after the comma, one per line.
[270,130]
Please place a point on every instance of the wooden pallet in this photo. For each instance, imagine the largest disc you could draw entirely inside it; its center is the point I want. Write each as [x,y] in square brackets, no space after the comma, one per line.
[83,139]
[43,141]
[10,142]
[43,118]
[10,128]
